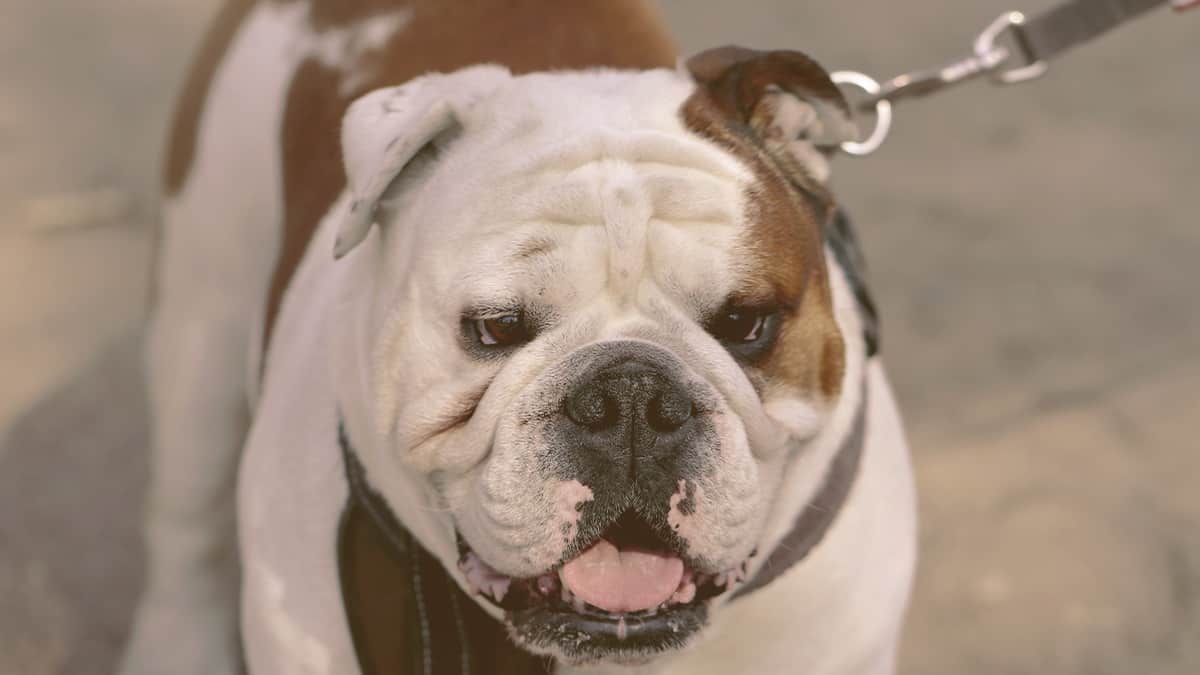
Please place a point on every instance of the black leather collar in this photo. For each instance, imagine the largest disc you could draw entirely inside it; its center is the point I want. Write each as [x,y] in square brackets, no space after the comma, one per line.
[840,237]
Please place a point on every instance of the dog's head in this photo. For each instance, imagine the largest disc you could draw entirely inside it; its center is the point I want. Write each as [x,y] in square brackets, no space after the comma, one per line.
[604,325]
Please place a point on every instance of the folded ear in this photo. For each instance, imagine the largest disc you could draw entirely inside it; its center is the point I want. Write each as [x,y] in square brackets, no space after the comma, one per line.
[785,97]
[383,132]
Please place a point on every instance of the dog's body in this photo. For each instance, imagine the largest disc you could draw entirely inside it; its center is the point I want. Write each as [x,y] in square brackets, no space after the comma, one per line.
[599,207]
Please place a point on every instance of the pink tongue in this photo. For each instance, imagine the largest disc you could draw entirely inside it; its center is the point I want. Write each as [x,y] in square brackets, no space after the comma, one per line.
[622,581]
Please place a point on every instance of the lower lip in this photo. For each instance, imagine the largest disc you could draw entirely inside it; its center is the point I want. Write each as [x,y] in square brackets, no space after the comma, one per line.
[585,635]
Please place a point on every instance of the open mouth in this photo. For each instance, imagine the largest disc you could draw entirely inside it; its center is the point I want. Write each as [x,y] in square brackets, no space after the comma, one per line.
[627,593]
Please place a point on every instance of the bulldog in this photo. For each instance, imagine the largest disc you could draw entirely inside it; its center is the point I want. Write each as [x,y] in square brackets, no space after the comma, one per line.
[489,338]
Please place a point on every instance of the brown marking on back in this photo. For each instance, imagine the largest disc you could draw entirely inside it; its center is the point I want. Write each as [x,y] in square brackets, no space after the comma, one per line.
[324,14]
[524,35]
[784,241]
[185,126]
[312,170]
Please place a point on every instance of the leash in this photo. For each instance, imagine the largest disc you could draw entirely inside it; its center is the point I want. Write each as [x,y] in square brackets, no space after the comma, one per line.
[1029,46]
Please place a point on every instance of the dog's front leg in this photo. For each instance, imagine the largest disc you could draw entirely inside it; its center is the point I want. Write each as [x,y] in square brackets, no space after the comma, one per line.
[187,619]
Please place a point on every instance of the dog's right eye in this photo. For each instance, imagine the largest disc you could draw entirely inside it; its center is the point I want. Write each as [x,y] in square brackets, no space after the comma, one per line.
[501,331]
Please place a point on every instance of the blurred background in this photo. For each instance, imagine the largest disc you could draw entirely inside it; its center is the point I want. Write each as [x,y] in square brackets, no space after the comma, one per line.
[1035,251]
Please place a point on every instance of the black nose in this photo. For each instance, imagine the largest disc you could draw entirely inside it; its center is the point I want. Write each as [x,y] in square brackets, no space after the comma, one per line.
[630,398]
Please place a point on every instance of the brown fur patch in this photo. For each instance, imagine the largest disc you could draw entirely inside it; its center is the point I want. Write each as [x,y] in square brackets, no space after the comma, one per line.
[312,169]
[737,78]
[784,242]
[326,14]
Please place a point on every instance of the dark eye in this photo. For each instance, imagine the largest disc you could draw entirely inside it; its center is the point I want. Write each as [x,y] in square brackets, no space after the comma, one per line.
[745,331]
[738,325]
[501,331]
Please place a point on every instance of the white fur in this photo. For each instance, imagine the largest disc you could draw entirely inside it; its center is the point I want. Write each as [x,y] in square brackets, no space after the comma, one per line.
[309,655]
[343,48]
[220,229]
[292,488]
[385,129]
[641,221]
[793,123]
[221,233]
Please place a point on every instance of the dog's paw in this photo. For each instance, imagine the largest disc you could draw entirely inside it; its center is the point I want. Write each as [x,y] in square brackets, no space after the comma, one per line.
[169,638]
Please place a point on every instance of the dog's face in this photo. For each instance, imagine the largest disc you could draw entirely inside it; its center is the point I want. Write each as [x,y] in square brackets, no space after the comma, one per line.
[605,322]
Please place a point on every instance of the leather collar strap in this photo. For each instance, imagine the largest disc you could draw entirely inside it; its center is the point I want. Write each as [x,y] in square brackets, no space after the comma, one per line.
[841,238]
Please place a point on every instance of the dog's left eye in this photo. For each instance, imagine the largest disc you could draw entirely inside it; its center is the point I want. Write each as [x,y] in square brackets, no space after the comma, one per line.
[501,331]
[745,331]
[738,325]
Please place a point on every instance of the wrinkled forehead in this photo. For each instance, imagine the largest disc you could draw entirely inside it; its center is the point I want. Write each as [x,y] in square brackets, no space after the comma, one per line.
[626,153]
[570,128]
[608,149]
[553,107]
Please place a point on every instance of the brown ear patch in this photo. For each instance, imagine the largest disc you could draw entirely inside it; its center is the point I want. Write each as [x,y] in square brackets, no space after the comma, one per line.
[782,249]
[738,81]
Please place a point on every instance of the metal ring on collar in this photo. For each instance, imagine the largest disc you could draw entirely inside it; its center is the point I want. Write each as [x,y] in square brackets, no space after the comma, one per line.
[883,112]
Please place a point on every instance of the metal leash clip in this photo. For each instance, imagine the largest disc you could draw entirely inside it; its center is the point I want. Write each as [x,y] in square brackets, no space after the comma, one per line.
[986,59]
[1031,44]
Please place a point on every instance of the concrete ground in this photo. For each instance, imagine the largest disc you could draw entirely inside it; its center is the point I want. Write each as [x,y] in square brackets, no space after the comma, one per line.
[1034,251]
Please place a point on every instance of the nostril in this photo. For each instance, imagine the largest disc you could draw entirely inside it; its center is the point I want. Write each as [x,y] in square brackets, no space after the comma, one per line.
[669,410]
[592,407]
